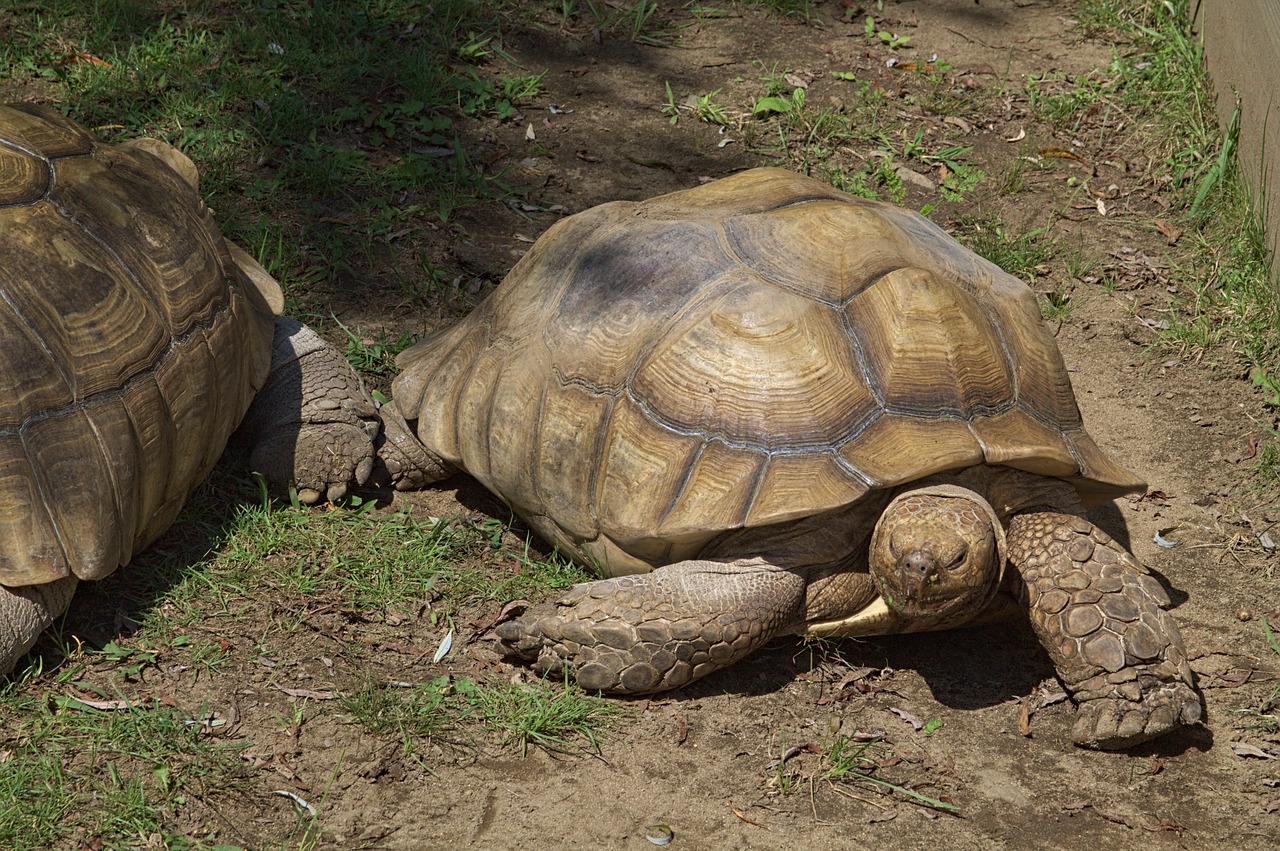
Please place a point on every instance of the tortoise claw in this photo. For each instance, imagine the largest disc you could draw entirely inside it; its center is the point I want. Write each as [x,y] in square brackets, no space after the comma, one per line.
[1115,723]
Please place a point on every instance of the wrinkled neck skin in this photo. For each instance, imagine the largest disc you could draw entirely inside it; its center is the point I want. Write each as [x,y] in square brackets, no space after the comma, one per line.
[1009,491]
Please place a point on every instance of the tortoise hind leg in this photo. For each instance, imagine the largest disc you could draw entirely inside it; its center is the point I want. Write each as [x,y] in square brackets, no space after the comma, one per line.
[660,630]
[1101,617]
[26,612]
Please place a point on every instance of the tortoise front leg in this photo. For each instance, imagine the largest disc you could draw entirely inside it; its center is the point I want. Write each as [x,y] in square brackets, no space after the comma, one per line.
[313,423]
[660,630]
[1101,617]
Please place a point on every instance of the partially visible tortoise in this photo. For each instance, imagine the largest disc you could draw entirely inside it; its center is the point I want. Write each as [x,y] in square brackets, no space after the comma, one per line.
[763,406]
[132,339]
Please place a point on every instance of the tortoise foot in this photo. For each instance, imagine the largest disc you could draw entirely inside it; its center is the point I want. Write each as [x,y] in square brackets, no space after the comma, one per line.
[1112,723]
[313,424]
[1102,619]
[402,460]
[656,631]
[583,652]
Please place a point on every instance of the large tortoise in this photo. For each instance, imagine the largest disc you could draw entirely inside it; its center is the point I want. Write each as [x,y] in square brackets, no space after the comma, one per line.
[762,406]
[132,339]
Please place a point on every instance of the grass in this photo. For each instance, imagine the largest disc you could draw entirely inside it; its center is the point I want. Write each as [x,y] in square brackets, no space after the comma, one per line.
[459,713]
[850,759]
[128,771]
[1226,308]
[269,101]
[1021,254]
[114,742]
[1264,718]
[845,761]
[355,558]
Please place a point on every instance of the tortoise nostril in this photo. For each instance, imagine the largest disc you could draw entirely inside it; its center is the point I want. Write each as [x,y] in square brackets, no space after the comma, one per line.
[920,565]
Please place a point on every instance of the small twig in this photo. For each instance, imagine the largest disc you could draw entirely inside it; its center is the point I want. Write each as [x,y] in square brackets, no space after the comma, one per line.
[842,791]
[737,812]
[972,40]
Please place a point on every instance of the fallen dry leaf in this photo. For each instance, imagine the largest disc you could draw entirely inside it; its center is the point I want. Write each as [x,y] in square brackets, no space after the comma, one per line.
[79,57]
[1170,233]
[1246,749]
[1156,766]
[1235,677]
[309,694]
[1024,717]
[915,722]
[105,705]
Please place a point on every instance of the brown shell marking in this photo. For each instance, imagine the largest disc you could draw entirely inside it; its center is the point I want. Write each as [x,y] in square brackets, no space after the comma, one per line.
[747,352]
[132,346]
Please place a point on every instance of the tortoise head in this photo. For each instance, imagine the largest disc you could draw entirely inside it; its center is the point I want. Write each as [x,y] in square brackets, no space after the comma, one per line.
[937,555]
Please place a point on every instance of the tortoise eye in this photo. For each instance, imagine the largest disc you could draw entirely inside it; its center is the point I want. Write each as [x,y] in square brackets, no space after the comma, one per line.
[958,561]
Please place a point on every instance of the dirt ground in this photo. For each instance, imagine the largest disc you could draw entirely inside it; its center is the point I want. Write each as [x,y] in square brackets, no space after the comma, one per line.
[701,759]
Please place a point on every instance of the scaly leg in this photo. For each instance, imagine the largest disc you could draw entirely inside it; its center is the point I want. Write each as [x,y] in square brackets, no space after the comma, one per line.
[26,612]
[1102,619]
[660,630]
[313,423]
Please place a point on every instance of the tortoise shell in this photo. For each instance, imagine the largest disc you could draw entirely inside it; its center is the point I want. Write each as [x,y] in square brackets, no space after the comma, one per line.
[651,375]
[131,344]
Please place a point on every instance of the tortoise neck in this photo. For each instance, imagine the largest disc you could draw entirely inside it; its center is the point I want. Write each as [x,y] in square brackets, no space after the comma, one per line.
[1007,491]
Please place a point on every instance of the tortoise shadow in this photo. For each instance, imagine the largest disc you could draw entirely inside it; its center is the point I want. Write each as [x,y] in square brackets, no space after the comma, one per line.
[969,668]
[964,669]
[117,605]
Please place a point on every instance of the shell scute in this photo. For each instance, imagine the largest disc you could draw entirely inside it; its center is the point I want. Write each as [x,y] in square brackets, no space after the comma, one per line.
[757,367]
[169,247]
[94,324]
[24,177]
[72,476]
[628,281]
[805,247]
[929,347]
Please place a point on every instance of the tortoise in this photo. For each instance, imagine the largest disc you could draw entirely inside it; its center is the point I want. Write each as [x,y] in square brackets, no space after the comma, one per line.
[133,338]
[761,406]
